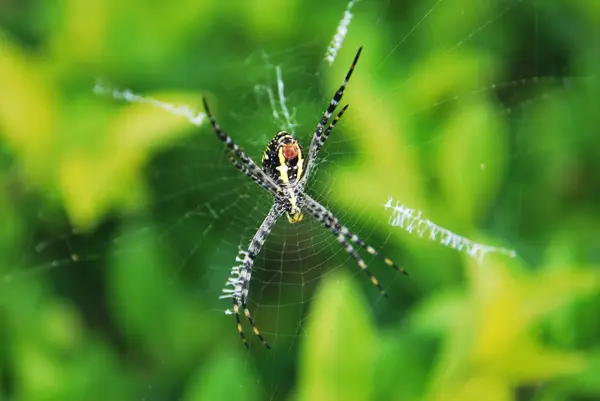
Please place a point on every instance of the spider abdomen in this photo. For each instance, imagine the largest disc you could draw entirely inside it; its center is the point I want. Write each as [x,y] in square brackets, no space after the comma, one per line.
[283,159]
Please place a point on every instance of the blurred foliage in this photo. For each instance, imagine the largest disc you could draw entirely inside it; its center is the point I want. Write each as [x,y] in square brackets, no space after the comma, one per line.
[439,118]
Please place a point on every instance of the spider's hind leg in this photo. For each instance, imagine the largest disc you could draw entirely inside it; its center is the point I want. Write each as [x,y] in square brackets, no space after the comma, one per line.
[242,274]
[236,311]
[345,237]
[361,263]
[327,218]
[254,328]
[357,240]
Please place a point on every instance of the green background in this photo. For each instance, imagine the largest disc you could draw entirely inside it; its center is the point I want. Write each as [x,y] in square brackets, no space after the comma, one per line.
[119,222]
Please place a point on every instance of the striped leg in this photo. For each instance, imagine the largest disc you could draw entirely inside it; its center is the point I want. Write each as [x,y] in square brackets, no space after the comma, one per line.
[357,240]
[350,250]
[247,172]
[331,226]
[242,283]
[352,237]
[236,312]
[330,128]
[231,145]
[318,137]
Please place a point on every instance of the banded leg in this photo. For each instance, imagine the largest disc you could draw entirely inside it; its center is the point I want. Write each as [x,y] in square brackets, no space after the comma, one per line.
[236,312]
[242,284]
[254,328]
[352,237]
[331,226]
[323,139]
[357,240]
[331,127]
[247,172]
[231,145]
[318,140]
[361,263]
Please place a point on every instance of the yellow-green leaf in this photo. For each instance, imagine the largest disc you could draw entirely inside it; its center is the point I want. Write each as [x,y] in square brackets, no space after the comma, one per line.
[338,355]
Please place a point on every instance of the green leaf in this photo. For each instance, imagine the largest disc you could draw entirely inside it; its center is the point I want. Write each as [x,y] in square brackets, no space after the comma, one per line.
[338,355]
[116,166]
[225,377]
[150,306]
[471,160]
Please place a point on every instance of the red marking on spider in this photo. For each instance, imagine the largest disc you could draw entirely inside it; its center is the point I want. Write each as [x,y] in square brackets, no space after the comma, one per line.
[290,151]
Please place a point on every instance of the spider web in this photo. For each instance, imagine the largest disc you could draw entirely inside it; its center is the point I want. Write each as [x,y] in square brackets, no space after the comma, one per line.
[202,211]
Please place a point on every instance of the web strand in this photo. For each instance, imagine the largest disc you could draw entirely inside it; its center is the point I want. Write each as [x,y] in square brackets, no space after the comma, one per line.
[279,109]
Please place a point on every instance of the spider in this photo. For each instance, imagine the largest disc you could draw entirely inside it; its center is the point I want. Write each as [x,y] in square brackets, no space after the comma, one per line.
[285,172]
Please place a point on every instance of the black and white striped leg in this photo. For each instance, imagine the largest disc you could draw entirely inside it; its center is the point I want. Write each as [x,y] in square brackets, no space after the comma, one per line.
[247,172]
[242,274]
[350,250]
[330,224]
[231,145]
[236,312]
[357,240]
[335,100]
[330,128]
[254,328]
[317,140]
[352,237]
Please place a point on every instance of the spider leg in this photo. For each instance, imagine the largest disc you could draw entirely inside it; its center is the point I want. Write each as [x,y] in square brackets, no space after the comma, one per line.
[331,126]
[357,240]
[242,274]
[318,139]
[361,263]
[247,172]
[236,312]
[352,237]
[254,328]
[321,142]
[335,230]
[231,145]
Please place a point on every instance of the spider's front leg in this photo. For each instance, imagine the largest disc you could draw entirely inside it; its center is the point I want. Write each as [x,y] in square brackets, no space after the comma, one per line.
[264,185]
[319,137]
[241,275]
[252,170]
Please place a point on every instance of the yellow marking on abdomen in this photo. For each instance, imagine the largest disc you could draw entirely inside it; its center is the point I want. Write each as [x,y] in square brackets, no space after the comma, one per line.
[283,172]
[282,168]
[300,164]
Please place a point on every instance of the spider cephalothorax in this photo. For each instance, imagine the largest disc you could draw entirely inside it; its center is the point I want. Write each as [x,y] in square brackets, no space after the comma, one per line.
[284,174]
